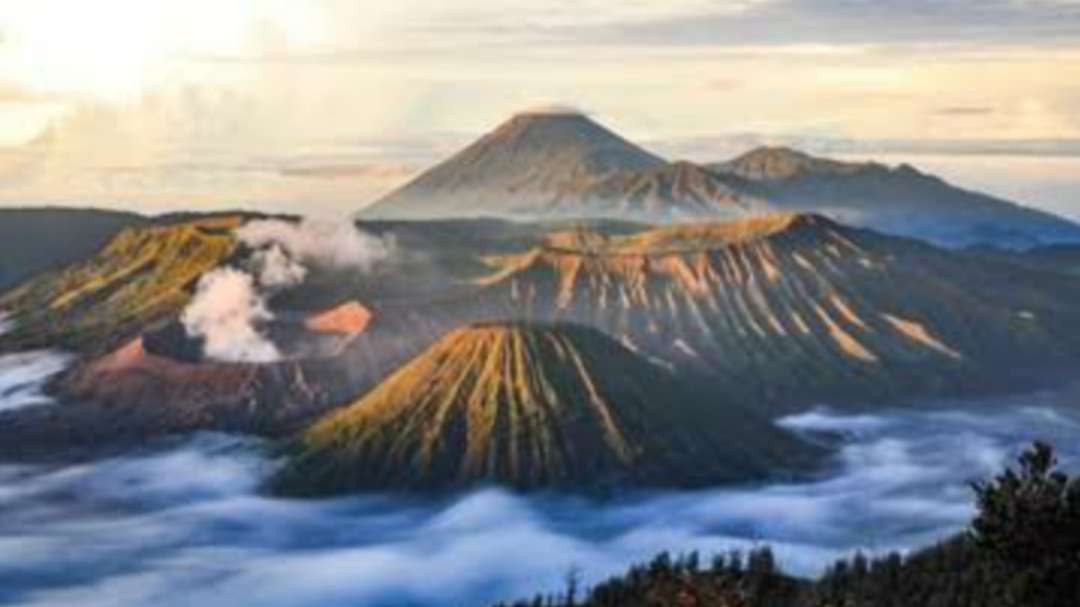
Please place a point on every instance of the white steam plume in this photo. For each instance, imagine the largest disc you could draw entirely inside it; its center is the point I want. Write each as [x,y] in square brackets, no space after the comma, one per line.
[323,243]
[225,312]
[274,267]
[230,303]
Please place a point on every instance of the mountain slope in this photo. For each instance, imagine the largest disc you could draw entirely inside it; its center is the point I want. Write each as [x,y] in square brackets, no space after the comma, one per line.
[562,164]
[793,308]
[670,191]
[902,201]
[143,274]
[516,169]
[36,240]
[533,406]
[1062,258]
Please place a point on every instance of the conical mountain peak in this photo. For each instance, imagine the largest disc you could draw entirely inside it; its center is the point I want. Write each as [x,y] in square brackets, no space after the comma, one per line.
[542,136]
[559,163]
[554,109]
[532,405]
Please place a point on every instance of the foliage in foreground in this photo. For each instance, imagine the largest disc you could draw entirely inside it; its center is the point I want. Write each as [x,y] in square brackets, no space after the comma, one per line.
[1022,550]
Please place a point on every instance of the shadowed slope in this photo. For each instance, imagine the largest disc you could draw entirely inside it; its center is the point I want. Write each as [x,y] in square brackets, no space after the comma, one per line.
[533,406]
[1061,258]
[671,191]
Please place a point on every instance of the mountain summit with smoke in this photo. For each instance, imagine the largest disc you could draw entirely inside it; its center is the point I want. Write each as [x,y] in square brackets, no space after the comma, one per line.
[230,304]
[226,313]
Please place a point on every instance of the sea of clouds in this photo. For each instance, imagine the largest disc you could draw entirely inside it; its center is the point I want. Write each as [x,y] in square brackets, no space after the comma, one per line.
[23,374]
[183,522]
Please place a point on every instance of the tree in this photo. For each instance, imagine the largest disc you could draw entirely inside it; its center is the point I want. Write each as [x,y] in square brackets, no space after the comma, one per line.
[1028,526]
[1022,550]
[573,580]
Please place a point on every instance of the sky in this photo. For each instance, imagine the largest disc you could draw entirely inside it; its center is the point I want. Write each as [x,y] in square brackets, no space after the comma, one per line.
[322,105]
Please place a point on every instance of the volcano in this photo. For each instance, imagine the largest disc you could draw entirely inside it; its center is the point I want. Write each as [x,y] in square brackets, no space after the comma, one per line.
[557,163]
[534,406]
[160,383]
[562,164]
[793,307]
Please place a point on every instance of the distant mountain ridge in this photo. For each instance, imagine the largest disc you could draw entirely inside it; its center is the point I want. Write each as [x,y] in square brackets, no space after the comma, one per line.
[34,240]
[680,190]
[561,164]
[564,164]
[777,163]
[901,200]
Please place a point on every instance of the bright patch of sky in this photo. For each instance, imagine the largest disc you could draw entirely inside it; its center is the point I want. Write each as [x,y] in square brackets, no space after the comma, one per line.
[328,103]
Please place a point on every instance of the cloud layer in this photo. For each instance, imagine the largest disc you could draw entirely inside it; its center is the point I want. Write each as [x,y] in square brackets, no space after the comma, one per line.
[22,376]
[182,524]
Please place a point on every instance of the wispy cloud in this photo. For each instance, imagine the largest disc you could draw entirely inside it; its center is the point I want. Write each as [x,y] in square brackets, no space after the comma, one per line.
[856,21]
[721,147]
[964,110]
[194,102]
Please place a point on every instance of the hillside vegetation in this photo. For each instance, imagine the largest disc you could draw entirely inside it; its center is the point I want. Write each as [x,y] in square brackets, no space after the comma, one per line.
[1022,550]
[143,274]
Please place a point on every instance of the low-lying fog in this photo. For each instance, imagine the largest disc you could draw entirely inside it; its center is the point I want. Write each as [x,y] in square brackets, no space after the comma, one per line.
[182,524]
[22,375]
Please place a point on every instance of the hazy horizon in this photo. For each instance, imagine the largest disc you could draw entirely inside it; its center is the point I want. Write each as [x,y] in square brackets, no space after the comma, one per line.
[323,106]
[1048,183]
